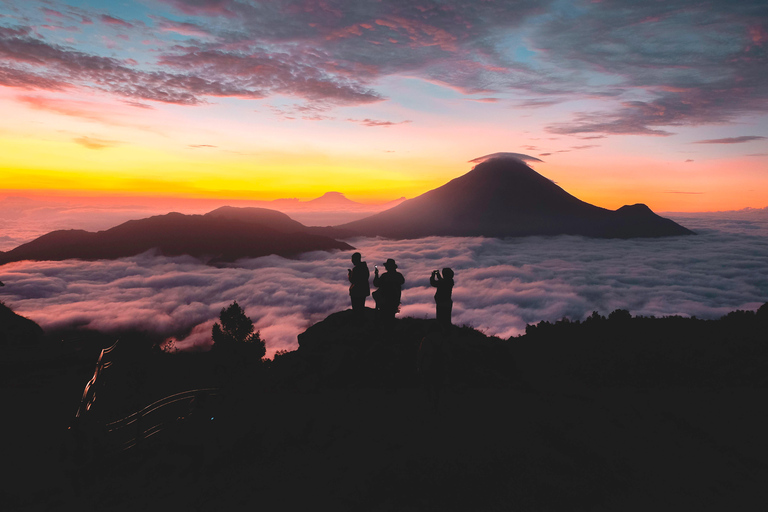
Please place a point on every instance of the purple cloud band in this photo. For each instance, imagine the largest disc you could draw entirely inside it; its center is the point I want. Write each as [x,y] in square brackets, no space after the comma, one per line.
[732,140]
[662,64]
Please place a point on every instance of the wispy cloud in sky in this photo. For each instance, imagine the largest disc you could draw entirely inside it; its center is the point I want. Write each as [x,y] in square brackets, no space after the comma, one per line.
[732,140]
[376,122]
[96,143]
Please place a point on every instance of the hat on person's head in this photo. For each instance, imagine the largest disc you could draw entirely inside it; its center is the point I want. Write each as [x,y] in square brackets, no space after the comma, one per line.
[390,263]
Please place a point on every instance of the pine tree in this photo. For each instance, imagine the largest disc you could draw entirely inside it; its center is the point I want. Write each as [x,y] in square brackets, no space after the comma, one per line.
[236,332]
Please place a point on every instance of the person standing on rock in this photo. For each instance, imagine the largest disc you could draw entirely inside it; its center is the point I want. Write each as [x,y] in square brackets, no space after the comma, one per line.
[443,300]
[389,284]
[359,288]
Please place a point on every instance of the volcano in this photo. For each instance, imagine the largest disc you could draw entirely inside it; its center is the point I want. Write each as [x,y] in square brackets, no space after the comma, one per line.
[504,197]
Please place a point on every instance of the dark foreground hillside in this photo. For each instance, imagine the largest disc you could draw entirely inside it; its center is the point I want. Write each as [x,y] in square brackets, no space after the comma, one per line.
[614,413]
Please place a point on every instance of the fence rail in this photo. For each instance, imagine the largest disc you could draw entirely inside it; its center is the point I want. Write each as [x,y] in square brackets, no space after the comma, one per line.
[158,416]
[132,430]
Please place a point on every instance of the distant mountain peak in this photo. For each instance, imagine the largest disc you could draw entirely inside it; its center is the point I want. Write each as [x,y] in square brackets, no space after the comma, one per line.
[332,199]
[502,197]
[333,195]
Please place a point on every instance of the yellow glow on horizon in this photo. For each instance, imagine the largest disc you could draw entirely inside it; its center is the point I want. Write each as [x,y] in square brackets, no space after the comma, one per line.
[136,170]
[67,168]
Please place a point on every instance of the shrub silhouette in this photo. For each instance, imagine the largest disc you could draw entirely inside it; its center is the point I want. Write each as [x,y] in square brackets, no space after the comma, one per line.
[236,332]
[620,315]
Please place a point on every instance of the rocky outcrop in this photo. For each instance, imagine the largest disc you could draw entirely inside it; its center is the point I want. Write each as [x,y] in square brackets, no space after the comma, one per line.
[341,352]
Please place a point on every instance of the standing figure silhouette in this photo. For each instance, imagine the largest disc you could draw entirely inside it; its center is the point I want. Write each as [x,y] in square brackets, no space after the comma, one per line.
[359,288]
[443,300]
[387,296]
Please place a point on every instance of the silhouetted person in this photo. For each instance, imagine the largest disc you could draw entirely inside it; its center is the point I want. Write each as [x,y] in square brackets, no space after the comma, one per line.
[387,296]
[443,301]
[359,288]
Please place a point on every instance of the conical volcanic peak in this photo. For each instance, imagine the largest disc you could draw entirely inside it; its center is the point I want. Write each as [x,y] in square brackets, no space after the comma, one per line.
[508,183]
[501,197]
[332,199]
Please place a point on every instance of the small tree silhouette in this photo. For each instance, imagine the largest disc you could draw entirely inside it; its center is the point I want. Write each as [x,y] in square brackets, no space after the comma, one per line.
[236,332]
[620,315]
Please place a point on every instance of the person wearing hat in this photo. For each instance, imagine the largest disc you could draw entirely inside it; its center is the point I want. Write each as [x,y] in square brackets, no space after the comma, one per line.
[389,284]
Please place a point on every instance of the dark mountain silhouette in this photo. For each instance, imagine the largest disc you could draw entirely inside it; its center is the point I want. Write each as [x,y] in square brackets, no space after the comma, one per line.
[225,234]
[16,329]
[503,197]
[258,216]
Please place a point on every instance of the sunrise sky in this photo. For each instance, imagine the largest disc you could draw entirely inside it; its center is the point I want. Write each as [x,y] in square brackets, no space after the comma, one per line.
[664,103]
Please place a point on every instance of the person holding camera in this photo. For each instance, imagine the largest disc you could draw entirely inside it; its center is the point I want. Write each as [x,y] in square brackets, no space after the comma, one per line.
[443,300]
[359,288]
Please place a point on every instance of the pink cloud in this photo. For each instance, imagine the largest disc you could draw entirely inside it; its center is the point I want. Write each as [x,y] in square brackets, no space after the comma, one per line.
[484,100]
[83,109]
[204,7]
[111,20]
[96,143]
[732,140]
[758,34]
[183,28]
[56,28]
[376,122]
[352,30]
[51,12]
[420,33]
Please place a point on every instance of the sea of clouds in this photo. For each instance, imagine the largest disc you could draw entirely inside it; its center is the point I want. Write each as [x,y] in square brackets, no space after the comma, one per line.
[501,285]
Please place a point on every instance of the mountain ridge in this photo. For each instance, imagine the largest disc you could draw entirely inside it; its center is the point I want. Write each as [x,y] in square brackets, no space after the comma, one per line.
[504,197]
[223,235]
